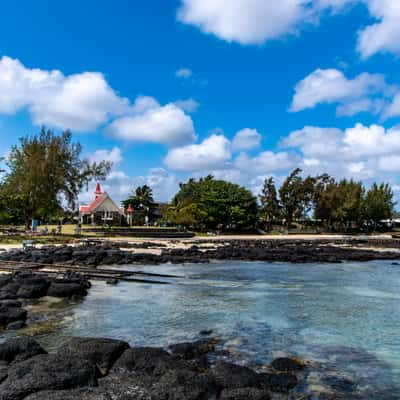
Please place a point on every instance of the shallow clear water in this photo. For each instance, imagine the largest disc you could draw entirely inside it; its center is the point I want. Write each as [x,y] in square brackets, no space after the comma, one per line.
[346,316]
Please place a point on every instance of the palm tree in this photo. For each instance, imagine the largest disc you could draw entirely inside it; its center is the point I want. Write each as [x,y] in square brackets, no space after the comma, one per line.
[140,199]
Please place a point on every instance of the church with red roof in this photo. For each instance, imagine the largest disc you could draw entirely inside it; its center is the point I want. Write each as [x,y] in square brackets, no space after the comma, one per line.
[102,210]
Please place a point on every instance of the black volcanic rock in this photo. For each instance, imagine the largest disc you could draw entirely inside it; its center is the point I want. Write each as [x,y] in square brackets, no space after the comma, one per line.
[233,376]
[101,352]
[47,372]
[19,349]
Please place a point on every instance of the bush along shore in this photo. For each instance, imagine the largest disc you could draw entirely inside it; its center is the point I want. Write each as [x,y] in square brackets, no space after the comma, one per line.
[107,369]
[22,287]
[296,251]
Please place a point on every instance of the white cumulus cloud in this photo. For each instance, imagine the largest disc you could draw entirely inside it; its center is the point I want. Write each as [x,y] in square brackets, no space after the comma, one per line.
[383,36]
[257,21]
[213,152]
[266,162]
[114,156]
[254,21]
[331,86]
[362,152]
[151,122]
[243,21]
[81,102]
[189,105]
[246,139]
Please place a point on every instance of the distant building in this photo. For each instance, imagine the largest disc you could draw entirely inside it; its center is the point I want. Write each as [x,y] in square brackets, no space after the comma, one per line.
[102,210]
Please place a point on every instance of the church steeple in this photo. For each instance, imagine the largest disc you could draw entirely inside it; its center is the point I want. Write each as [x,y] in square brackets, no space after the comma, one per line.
[98,191]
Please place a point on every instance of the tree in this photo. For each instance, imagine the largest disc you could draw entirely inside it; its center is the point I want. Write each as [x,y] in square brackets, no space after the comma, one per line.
[348,204]
[270,207]
[141,197]
[378,203]
[45,171]
[142,202]
[296,195]
[208,203]
[325,198]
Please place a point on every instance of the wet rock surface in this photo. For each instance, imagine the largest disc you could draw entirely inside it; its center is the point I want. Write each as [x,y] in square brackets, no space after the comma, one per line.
[89,368]
[108,369]
[287,250]
[28,286]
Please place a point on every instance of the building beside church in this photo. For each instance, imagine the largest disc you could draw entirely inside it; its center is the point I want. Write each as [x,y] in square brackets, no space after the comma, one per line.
[102,210]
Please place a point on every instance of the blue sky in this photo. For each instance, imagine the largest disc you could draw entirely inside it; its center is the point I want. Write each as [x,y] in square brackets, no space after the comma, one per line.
[241,89]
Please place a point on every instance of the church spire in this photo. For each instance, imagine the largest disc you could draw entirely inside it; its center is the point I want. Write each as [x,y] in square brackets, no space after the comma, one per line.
[98,192]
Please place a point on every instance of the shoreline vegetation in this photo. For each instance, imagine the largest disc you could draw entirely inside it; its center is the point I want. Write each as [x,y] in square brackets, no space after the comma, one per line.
[44,175]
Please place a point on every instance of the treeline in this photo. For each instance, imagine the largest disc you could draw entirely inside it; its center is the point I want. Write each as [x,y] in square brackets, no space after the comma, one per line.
[336,205]
[45,174]
[342,205]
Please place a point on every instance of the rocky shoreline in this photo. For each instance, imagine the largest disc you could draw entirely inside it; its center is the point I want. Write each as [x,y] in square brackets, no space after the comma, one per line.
[294,251]
[18,289]
[106,369]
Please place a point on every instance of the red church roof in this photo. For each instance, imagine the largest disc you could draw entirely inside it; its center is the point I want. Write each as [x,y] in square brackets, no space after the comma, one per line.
[98,199]
[93,204]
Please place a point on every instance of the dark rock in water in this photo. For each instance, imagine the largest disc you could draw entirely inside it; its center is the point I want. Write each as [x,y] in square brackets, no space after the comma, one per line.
[47,372]
[126,386]
[19,349]
[74,277]
[395,263]
[143,359]
[339,383]
[3,371]
[9,290]
[206,332]
[33,288]
[9,315]
[10,303]
[296,251]
[118,390]
[13,326]
[190,350]
[29,285]
[184,385]
[232,376]
[101,352]
[280,382]
[285,364]
[245,394]
[68,289]
[4,279]
[77,394]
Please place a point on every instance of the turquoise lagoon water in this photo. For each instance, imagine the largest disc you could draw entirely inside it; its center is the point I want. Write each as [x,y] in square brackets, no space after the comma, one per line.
[343,317]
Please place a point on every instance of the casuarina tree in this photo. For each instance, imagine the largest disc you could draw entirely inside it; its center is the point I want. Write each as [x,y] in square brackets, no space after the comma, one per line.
[46,172]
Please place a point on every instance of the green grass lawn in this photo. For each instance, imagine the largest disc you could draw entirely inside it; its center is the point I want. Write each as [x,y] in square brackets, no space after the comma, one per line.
[68,234]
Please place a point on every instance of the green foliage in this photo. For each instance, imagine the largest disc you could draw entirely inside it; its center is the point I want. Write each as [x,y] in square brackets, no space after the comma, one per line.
[45,171]
[270,207]
[141,198]
[339,205]
[296,195]
[142,203]
[208,203]
[379,204]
